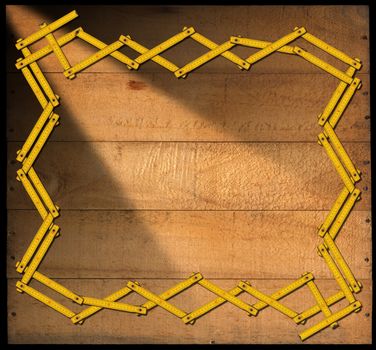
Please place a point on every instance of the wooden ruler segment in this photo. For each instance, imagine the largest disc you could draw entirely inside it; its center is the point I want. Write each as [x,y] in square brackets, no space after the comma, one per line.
[57,49]
[260,44]
[70,73]
[46,50]
[334,211]
[337,145]
[348,181]
[338,257]
[21,154]
[336,273]
[57,287]
[246,286]
[323,65]
[41,252]
[101,45]
[332,51]
[275,45]
[344,101]
[47,222]
[34,86]
[337,94]
[292,287]
[165,45]
[321,302]
[106,304]
[41,79]
[353,307]
[314,310]
[80,317]
[141,49]
[46,30]
[191,317]
[230,298]
[175,290]
[206,58]
[344,213]
[21,176]
[42,139]
[21,287]
[53,209]
[242,64]
[156,299]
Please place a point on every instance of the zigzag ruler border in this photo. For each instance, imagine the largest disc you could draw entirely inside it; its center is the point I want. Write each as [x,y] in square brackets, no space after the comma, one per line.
[328,119]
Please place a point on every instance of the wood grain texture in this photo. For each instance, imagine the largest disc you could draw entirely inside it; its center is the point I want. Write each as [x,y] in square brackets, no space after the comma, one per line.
[217,107]
[329,23]
[219,173]
[173,244]
[227,324]
[186,176]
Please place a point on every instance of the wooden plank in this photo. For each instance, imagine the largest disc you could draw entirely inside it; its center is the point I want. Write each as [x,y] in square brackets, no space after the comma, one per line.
[333,24]
[219,244]
[216,107]
[227,324]
[189,176]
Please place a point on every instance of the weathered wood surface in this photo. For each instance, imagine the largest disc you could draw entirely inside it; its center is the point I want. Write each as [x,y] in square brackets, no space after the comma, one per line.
[30,321]
[157,211]
[152,25]
[189,175]
[173,244]
[156,106]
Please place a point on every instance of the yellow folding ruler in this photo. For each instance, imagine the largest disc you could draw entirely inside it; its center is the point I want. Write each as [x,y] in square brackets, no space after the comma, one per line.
[260,305]
[340,150]
[246,286]
[276,45]
[242,64]
[323,65]
[217,51]
[70,73]
[314,310]
[156,299]
[345,100]
[39,255]
[44,51]
[323,117]
[53,209]
[355,285]
[348,181]
[175,290]
[46,30]
[127,40]
[56,49]
[344,213]
[41,79]
[321,302]
[21,154]
[34,85]
[336,273]
[22,287]
[101,45]
[353,307]
[354,62]
[334,211]
[227,296]
[57,287]
[42,139]
[106,304]
[47,223]
[260,44]
[32,193]
[80,317]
